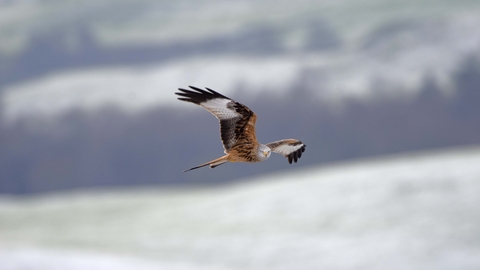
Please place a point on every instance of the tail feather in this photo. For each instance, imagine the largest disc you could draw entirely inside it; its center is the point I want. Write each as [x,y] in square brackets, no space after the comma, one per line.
[213,163]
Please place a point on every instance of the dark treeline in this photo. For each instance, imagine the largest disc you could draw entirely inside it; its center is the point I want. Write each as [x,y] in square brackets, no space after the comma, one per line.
[111,148]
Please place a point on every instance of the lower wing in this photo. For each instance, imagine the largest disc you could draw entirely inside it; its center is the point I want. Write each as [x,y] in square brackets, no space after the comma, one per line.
[289,148]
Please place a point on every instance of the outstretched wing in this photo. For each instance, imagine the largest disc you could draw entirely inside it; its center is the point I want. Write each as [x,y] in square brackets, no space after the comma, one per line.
[289,148]
[235,118]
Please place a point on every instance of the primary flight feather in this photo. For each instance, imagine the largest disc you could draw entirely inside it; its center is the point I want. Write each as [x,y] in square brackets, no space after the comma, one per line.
[237,130]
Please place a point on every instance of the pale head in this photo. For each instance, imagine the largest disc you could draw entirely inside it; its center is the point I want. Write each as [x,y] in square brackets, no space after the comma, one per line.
[263,152]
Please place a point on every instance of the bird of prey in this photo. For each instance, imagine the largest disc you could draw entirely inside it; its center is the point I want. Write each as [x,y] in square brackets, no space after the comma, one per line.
[237,130]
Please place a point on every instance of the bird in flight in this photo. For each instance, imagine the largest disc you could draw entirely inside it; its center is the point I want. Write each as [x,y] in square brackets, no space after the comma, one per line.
[237,130]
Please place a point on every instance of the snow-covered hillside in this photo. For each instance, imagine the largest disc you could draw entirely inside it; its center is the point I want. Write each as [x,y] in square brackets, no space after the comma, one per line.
[393,65]
[385,47]
[415,211]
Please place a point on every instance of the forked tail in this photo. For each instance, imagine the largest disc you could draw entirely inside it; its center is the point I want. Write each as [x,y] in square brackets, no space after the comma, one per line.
[214,163]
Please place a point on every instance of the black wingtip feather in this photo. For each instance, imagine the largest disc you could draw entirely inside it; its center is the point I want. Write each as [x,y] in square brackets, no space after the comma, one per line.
[197,95]
[216,93]
[295,156]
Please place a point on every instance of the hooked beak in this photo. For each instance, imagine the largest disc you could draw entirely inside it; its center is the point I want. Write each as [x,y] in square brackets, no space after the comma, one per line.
[265,153]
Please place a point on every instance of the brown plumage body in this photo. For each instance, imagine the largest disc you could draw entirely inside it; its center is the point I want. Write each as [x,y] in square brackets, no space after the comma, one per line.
[245,149]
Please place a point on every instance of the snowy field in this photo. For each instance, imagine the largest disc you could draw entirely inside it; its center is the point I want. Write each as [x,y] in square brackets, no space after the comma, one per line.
[413,211]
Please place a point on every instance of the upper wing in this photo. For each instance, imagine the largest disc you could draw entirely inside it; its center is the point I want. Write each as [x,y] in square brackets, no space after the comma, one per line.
[290,148]
[234,117]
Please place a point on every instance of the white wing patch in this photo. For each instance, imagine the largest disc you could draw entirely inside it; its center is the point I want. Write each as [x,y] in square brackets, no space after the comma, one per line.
[289,148]
[219,108]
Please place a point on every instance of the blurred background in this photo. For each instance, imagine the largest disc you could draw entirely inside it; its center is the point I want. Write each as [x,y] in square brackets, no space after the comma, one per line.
[385,94]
